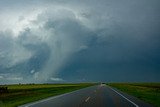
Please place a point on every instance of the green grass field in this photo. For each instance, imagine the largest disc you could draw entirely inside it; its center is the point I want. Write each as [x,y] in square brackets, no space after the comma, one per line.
[148,92]
[21,94]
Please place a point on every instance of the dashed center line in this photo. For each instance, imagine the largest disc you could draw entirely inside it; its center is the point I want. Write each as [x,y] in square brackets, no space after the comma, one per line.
[87,99]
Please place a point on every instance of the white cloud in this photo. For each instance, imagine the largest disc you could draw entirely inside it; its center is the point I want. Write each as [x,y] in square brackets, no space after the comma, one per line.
[18,19]
[56,79]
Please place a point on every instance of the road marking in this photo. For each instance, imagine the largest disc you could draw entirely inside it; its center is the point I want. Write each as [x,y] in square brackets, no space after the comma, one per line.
[50,98]
[124,97]
[87,99]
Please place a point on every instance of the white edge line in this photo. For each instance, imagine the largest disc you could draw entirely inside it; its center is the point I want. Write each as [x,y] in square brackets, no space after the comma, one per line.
[43,100]
[50,98]
[124,97]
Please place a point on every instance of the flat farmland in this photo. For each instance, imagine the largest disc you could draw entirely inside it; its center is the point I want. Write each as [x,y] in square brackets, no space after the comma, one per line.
[148,92]
[25,93]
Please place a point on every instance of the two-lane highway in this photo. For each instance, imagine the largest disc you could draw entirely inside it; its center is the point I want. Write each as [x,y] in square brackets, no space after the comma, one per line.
[94,96]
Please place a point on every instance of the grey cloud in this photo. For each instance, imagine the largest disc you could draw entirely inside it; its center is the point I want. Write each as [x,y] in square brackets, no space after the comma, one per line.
[10,78]
[84,40]
[67,36]
[64,37]
[11,52]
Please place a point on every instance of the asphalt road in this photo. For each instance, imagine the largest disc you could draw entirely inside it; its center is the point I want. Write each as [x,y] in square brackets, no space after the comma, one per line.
[94,96]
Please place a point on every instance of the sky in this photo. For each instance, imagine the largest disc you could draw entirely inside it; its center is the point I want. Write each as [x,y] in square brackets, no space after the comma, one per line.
[52,41]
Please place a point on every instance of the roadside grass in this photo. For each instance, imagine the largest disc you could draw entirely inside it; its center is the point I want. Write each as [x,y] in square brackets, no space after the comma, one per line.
[148,92]
[22,94]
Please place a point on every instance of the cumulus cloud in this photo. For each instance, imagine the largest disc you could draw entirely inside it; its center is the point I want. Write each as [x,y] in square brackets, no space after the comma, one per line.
[52,29]
[57,38]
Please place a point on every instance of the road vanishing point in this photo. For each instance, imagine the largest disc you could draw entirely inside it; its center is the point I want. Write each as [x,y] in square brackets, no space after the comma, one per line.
[93,96]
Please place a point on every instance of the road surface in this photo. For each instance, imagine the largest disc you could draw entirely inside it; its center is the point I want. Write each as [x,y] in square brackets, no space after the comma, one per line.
[94,96]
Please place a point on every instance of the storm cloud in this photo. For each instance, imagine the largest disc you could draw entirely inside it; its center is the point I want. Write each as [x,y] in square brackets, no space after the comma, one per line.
[78,41]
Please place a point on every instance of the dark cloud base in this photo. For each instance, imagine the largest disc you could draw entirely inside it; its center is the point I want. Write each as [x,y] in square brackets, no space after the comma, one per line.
[75,41]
